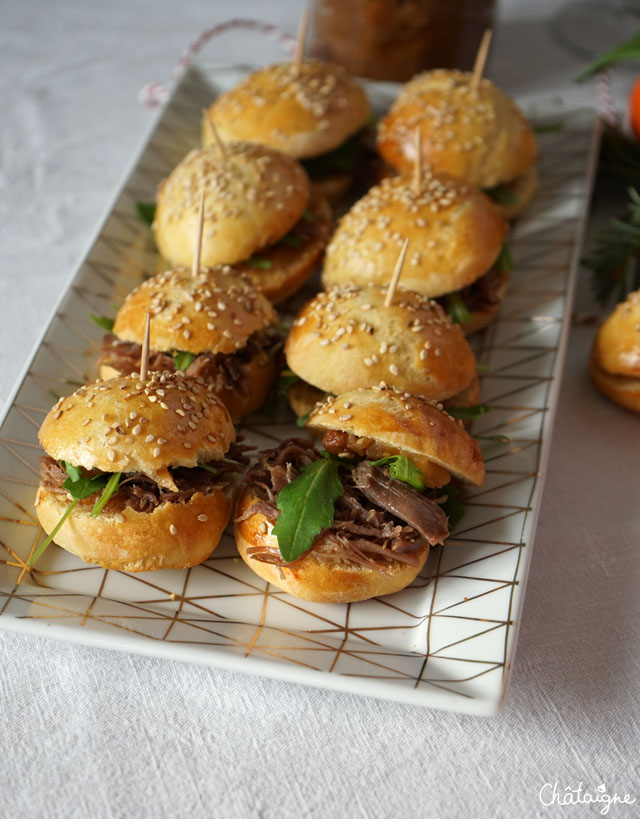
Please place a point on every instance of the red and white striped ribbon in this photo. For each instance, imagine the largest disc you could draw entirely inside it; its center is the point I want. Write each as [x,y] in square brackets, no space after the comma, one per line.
[607,108]
[155,94]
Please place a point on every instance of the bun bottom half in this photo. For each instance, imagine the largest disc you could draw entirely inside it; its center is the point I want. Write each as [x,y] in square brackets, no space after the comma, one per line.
[621,389]
[314,579]
[132,541]
[333,187]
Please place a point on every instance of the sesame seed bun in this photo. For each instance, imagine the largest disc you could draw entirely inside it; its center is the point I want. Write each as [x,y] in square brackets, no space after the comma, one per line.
[346,338]
[615,358]
[403,424]
[128,425]
[215,311]
[314,579]
[479,135]
[290,267]
[132,541]
[253,197]
[522,189]
[455,234]
[301,113]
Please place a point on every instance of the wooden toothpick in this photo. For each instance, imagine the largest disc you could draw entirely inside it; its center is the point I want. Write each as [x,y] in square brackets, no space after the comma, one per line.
[396,275]
[144,358]
[197,250]
[298,54]
[417,168]
[214,133]
[481,59]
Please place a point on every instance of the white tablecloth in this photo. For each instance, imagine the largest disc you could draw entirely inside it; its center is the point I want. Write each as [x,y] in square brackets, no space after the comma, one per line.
[95,733]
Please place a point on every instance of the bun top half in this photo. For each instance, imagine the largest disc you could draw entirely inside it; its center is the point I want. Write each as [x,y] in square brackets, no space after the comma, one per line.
[346,338]
[479,135]
[455,234]
[617,345]
[215,311]
[302,113]
[254,195]
[128,425]
[404,424]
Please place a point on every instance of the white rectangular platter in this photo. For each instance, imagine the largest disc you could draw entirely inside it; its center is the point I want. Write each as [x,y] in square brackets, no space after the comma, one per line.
[447,641]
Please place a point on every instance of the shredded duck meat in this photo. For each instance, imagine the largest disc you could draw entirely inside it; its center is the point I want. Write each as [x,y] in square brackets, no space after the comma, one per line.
[224,371]
[377,520]
[143,494]
[484,293]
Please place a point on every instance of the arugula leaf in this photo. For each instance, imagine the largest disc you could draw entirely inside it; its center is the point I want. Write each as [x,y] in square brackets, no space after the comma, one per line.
[287,379]
[468,413]
[259,263]
[211,469]
[307,215]
[146,212]
[110,489]
[291,239]
[481,368]
[341,159]
[496,439]
[103,321]
[302,420]
[39,551]
[307,507]
[182,359]
[78,486]
[502,194]
[403,469]
[504,262]
[458,310]
[629,50]
[453,506]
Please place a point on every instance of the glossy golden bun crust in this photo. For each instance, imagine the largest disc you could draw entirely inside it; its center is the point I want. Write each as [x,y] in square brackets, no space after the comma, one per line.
[403,424]
[615,357]
[346,338]
[290,267]
[455,234]
[215,311]
[477,135]
[302,114]
[523,189]
[617,344]
[125,425]
[133,541]
[253,197]
[314,579]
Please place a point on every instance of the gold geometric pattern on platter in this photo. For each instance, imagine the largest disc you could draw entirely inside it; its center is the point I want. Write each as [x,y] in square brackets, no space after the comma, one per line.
[447,641]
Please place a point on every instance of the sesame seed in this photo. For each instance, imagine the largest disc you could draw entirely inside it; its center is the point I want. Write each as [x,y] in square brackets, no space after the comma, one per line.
[393,369]
[203,518]
[156,452]
[119,517]
[149,439]
[345,417]
[136,430]
[173,530]
[186,445]
[162,441]
[111,455]
[57,415]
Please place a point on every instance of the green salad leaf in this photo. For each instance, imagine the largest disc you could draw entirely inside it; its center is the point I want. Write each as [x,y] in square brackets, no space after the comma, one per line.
[259,263]
[468,413]
[453,506]
[481,368]
[342,159]
[110,489]
[182,359]
[212,469]
[103,321]
[503,194]
[403,469]
[458,310]
[146,212]
[629,50]
[504,262]
[549,127]
[302,419]
[307,215]
[291,239]
[307,507]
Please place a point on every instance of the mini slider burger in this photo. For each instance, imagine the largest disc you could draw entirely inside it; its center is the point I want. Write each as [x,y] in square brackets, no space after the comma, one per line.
[308,109]
[349,337]
[455,238]
[471,130]
[259,215]
[140,472]
[357,519]
[213,324]
[615,357]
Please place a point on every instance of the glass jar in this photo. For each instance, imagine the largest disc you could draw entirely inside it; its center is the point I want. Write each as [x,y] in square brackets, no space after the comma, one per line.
[395,39]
